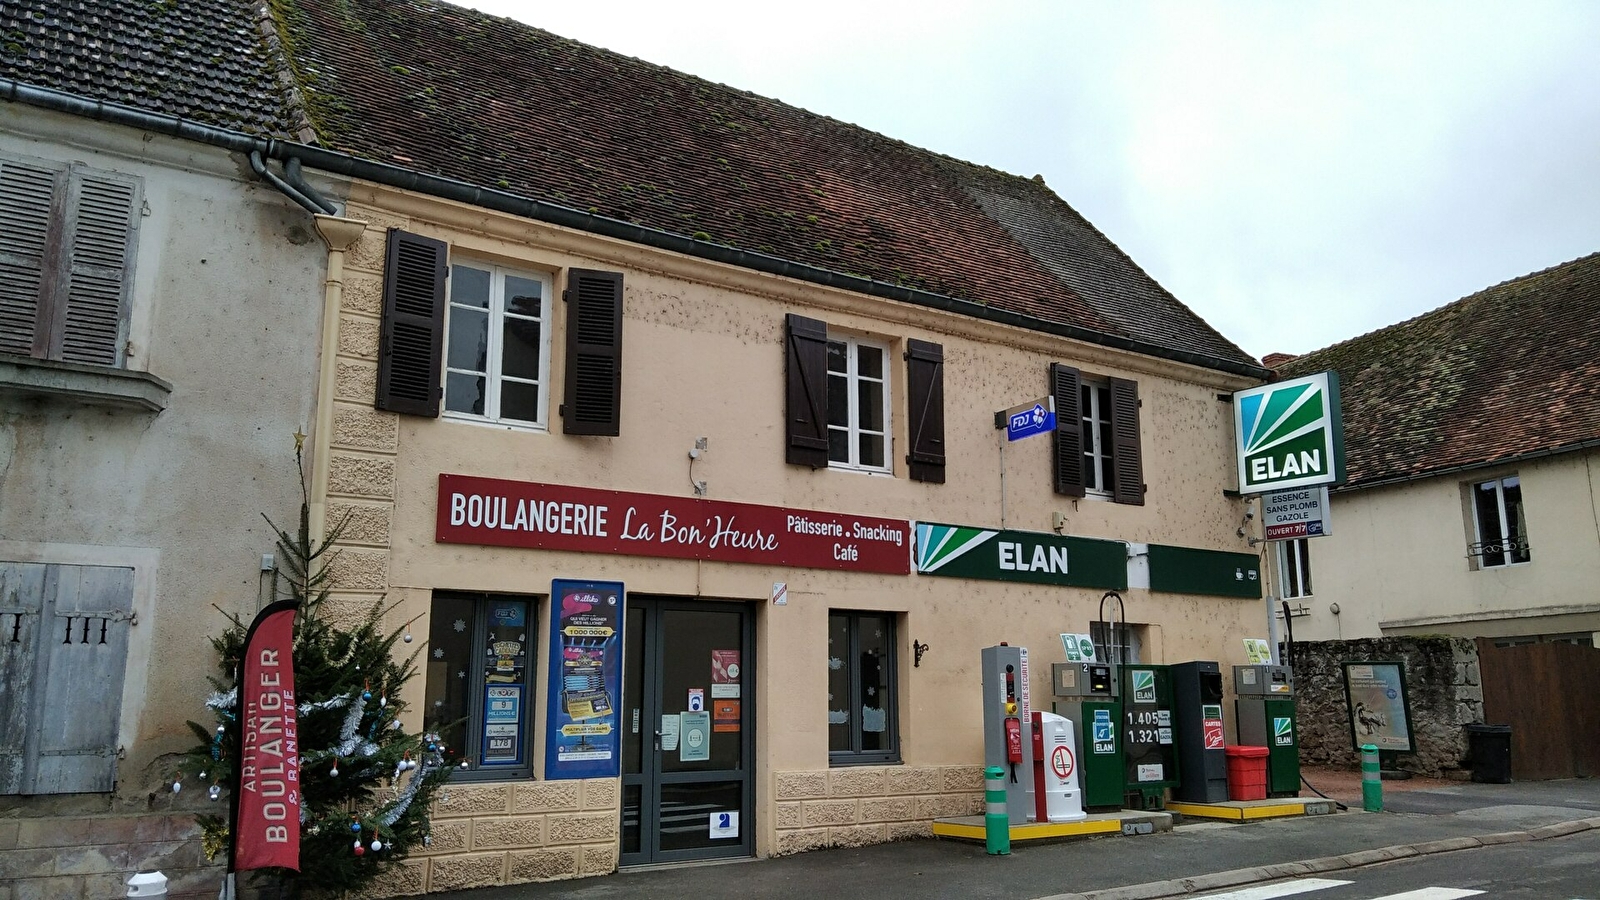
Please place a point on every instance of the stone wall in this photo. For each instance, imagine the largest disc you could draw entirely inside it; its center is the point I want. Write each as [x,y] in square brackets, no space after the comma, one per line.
[862,805]
[487,834]
[1441,682]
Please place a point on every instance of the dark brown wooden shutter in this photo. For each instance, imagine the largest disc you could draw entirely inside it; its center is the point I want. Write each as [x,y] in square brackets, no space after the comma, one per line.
[925,400]
[1066,385]
[410,353]
[1127,467]
[101,226]
[806,394]
[594,353]
[29,194]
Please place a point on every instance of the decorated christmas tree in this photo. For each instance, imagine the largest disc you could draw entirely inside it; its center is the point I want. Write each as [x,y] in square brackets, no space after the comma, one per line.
[366,784]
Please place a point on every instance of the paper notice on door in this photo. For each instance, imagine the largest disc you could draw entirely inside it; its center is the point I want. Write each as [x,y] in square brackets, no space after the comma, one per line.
[696,746]
[724,692]
[669,732]
[724,825]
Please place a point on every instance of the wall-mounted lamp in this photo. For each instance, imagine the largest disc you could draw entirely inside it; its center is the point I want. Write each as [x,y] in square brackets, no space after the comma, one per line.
[918,648]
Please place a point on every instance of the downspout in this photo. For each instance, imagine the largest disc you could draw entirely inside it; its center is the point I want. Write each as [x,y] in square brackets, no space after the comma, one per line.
[339,234]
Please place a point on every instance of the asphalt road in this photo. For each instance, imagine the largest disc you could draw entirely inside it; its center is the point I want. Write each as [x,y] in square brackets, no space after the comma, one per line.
[934,870]
[1559,869]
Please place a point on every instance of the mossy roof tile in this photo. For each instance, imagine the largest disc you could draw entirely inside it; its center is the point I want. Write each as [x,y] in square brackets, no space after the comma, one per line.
[1508,371]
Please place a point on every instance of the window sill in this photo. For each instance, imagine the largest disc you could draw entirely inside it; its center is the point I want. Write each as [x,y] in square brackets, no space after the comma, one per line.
[469,419]
[846,760]
[92,385]
[1516,565]
[858,470]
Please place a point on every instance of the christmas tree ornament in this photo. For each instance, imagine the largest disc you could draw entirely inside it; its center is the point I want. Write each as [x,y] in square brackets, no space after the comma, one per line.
[383,702]
[214,792]
[406,637]
[463,764]
[354,825]
[202,775]
[222,729]
[335,770]
[366,691]
[177,785]
[376,843]
[360,850]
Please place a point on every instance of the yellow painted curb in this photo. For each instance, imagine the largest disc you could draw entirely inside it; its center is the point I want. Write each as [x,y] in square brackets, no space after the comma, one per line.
[1032,831]
[1238,813]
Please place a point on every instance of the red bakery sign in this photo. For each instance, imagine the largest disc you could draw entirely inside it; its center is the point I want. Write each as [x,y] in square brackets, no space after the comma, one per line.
[557,517]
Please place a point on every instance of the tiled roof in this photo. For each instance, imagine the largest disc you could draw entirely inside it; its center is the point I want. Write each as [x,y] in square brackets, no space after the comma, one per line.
[495,103]
[1508,371]
[484,100]
[205,62]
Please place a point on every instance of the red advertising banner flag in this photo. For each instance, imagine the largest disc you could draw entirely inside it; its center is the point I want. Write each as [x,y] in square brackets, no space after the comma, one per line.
[266,797]
[502,513]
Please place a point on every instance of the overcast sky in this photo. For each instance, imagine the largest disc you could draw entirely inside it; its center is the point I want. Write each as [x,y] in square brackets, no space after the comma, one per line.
[1298,173]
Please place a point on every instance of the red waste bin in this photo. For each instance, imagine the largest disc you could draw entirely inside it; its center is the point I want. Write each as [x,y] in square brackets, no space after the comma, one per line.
[1247,773]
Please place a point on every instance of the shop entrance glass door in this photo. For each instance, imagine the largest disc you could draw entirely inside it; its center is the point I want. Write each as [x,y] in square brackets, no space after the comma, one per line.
[688,741]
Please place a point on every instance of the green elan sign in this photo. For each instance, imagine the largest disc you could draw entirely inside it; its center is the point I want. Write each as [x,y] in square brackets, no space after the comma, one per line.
[965,551]
[1289,434]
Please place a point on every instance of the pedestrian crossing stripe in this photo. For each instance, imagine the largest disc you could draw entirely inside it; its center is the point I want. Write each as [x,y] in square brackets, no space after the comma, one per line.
[1308,885]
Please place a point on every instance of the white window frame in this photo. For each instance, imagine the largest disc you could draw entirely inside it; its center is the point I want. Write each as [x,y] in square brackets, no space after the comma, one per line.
[497,315]
[1295,555]
[1508,540]
[852,428]
[1098,448]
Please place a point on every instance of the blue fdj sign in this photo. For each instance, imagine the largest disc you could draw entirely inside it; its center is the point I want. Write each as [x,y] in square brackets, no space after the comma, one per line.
[1038,417]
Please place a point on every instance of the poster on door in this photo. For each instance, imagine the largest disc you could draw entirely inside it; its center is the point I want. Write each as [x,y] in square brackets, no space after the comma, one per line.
[582,731]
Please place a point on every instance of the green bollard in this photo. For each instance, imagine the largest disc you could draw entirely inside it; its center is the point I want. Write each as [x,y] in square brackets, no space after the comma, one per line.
[1371,780]
[996,822]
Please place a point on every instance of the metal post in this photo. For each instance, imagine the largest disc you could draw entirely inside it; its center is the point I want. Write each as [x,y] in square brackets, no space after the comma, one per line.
[996,822]
[1371,780]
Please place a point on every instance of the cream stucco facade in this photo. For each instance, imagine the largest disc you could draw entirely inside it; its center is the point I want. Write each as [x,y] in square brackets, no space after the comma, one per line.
[1397,561]
[703,358]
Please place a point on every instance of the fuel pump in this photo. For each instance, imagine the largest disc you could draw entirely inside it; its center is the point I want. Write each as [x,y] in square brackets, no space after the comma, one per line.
[1006,717]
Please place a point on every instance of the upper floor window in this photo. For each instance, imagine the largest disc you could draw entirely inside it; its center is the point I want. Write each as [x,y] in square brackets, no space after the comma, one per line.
[1500,535]
[858,405]
[497,361]
[1294,568]
[1095,414]
[837,396]
[1097,446]
[67,238]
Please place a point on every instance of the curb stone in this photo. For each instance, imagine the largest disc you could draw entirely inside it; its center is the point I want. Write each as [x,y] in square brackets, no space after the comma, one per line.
[1178,887]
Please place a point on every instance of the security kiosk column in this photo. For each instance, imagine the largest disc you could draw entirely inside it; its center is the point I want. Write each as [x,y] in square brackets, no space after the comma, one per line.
[1007,731]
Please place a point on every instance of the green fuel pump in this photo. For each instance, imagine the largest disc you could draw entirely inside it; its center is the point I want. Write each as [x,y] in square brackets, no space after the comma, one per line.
[1086,693]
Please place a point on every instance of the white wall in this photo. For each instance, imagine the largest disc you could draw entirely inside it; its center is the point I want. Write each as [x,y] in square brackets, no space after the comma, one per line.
[1396,562]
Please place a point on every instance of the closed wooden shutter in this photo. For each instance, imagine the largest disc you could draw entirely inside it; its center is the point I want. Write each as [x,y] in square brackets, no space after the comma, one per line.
[75,652]
[806,392]
[594,353]
[410,351]
[1066,384]
[925,400]
[21,603]
[101,225]
[1127,466]
[30,195]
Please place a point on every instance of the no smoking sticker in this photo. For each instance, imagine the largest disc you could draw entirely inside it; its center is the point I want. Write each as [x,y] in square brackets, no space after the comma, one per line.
[1061,762]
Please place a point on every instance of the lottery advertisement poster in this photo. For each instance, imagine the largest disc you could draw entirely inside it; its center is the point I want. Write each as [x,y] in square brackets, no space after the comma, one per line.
[583,738]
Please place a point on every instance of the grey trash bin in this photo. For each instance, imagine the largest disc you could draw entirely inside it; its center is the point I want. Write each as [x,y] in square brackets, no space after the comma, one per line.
[1489,749]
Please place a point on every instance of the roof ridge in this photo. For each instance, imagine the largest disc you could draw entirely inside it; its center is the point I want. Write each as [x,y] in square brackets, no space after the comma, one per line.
[1463,300]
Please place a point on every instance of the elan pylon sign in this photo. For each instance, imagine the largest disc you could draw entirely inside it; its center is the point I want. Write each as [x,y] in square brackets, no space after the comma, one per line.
[1289,434]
